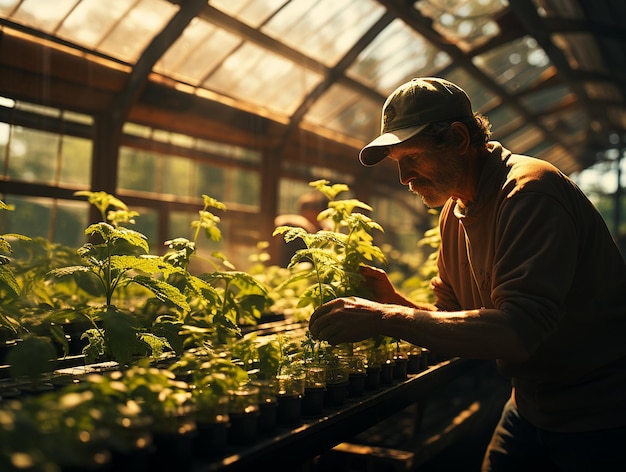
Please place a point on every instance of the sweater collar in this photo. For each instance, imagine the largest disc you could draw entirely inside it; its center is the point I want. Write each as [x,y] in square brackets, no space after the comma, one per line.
[495,163]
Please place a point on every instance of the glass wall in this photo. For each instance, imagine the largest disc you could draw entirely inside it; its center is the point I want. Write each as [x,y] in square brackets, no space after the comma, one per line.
[46,156]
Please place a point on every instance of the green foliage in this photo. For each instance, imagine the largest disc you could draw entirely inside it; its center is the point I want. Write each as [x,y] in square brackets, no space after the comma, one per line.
[31,357]
[9,286]
[219,301]
[210,377]
[334,255]
[119,259]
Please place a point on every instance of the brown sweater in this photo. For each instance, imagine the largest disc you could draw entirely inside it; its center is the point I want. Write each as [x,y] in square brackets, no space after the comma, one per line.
[533,246]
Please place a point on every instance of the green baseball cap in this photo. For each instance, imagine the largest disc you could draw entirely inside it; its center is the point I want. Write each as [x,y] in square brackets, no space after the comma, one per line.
[412,107]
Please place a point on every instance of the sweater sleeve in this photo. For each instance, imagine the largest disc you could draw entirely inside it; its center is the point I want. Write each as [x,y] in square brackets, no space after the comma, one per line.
[534,262]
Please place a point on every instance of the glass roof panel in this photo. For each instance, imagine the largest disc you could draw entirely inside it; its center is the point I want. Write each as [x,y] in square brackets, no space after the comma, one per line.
[90,21]
[45,16]
[396,55]
[251,12]
[524,139]
[515,65]
[346,112]
[258,76]
[617,117]
[7,6]
[581,50]
[559,8]
[324,29]
[466,23]
[502,118]
[569,122]
[603,91]
[482,98]
[558,156]
[198,51]
[131,35]
[119,28]
[546,98]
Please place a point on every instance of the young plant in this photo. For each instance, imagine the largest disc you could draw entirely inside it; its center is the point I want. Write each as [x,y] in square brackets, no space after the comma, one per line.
[334,255]
[220,301]
[10,289]
[117,259]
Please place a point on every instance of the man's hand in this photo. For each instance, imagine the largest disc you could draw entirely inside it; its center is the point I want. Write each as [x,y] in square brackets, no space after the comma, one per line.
[378,283]
[346,320]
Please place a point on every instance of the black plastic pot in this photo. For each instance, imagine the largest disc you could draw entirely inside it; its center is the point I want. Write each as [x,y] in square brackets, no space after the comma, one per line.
[400,367]
[173,449]
[133,449]
[356,384]
[5,348]
[335,394]
[289,410]
[372,377]
[414,363]
[244,427]
[268,415]
[211,439]
[386,372]
[313,401]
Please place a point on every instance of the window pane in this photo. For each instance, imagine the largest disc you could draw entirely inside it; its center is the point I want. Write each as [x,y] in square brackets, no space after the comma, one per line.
[180,225]
[325,29]
[76,161]
[259,76]
[31,216]
[210,181]
[5,132]
[146,224]
[516,65]
[394,56]
[137,170]
[289,191]
[33,155]
[345,111]
[176,176]
[245,187]
[71,220]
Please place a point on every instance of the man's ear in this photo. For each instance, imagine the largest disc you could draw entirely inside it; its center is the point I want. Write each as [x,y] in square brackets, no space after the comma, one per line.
[460,137]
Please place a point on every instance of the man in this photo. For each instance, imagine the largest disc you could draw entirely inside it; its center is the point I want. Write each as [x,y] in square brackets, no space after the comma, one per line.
[528,276]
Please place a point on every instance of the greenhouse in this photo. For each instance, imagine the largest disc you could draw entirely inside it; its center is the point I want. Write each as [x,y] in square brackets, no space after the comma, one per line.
[209,259]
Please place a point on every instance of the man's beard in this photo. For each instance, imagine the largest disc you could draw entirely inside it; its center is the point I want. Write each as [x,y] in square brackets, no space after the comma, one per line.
[433,196]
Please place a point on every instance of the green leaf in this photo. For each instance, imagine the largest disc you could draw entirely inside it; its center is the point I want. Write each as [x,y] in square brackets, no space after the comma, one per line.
[163,291]
[122,335]
[157,344]
[102,201]
[10,324]
[9,282]
[146,264]
[31,357]
[110,234]
[71,270]
[331,191]
[58,335]
[134,238]
[95,347]
[5,206]
[169,328]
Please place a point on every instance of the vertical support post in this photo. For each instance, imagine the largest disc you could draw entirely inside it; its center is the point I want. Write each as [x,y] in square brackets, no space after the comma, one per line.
[617,204]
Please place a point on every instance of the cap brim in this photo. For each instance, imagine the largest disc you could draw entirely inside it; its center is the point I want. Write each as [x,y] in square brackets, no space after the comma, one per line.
[376,151]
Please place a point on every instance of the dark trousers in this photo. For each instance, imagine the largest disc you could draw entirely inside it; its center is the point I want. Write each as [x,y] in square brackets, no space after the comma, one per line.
[518,446]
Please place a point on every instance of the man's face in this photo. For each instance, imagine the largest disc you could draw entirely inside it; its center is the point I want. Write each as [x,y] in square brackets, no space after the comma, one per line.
[434,173]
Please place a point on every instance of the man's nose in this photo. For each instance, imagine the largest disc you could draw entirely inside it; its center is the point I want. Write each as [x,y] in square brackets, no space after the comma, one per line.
[404,174]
